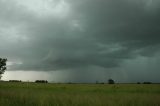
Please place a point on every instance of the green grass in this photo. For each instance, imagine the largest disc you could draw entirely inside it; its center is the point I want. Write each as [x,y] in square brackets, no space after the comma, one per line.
[33,94]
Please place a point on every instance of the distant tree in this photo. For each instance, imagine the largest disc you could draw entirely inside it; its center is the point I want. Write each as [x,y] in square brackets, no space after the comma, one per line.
[2,66]
[111,81]
[138,82]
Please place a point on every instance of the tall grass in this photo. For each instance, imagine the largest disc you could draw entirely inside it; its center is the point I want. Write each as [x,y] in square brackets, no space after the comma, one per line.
[33,94]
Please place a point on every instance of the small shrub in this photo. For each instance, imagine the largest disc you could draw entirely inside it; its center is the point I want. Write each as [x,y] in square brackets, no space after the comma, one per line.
[138,83]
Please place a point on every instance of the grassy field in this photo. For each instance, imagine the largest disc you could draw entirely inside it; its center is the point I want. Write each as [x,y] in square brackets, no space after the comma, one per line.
[33,94]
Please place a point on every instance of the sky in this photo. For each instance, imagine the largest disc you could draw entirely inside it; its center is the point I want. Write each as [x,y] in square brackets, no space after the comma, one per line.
[81,40]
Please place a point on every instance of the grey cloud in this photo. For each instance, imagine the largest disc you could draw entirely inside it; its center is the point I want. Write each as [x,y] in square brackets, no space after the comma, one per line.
[96,33]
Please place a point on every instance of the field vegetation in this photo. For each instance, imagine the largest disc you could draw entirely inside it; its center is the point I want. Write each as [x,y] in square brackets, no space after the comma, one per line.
[47,94]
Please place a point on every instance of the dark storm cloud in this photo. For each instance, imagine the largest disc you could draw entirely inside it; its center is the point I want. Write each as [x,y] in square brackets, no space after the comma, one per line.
[100,33]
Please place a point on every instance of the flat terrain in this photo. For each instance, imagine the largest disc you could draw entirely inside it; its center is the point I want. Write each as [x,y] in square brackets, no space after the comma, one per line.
[34,94]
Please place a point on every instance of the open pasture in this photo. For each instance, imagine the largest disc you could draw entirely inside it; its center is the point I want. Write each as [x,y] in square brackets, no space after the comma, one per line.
[38,94]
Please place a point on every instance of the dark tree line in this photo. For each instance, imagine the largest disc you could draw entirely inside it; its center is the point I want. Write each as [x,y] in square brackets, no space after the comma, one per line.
[15,81]
[2,66]
[41,81]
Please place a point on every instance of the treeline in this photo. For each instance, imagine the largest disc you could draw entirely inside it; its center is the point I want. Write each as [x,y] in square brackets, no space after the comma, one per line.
[41,81]
[37,81]
[110,81]
[15,81]
[144,83]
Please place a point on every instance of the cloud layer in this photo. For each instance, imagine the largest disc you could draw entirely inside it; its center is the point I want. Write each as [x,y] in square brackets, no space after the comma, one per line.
[56,35]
